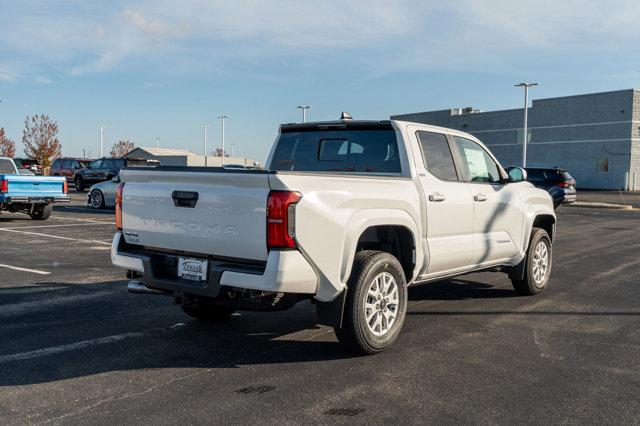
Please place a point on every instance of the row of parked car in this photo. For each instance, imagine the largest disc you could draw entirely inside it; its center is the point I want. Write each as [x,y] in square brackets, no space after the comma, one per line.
[100,176]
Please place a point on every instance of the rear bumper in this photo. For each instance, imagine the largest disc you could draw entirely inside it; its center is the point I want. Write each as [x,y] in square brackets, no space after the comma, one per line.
[27,199]
[562,195]
[284,272]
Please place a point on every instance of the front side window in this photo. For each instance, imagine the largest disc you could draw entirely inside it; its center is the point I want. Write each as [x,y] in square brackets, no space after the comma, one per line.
[96,164]
[352,151]
[436,154]
[478,165]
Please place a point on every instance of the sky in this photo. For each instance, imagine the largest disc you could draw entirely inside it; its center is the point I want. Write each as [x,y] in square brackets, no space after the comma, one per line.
[150,69]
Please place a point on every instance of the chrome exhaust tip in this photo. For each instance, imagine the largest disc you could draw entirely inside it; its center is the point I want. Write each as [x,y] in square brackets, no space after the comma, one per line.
[138,287]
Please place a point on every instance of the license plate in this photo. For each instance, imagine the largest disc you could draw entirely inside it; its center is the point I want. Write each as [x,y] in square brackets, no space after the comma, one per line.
[192,269]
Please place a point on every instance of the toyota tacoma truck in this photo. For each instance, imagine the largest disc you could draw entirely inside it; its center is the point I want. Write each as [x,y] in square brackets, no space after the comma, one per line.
[346,213]
[33,195]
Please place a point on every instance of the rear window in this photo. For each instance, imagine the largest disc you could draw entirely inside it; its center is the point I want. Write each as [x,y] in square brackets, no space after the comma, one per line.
[354,151]
[6,167]
[139,163]
[565,175]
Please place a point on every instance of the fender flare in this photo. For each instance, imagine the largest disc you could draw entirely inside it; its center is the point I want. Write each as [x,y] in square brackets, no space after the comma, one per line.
[364,219]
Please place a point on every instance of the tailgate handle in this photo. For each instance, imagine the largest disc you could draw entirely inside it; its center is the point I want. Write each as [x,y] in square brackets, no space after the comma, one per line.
[184,198]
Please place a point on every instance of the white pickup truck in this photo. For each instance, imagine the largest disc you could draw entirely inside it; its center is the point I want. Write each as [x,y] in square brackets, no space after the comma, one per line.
[347,213]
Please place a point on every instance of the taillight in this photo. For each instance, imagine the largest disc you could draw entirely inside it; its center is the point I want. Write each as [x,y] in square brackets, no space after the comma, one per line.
[65,187]
[564,184]
[281,210]
[4,186]
[119,206]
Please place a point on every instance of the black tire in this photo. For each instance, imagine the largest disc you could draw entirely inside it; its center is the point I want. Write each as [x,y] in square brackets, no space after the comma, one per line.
[355,333]
[79,183]
[42,212]
[529,286]
[98,203]
[209,313]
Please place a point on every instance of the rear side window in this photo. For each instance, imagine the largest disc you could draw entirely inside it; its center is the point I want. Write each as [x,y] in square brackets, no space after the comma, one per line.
[356,151]
[6,167]
[437,156]
[536,175]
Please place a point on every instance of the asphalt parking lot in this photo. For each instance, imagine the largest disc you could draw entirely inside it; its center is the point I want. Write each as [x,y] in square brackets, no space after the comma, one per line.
[77,348]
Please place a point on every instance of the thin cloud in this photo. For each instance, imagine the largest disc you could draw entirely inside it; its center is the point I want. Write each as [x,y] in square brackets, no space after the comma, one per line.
[43,79]
[410,35]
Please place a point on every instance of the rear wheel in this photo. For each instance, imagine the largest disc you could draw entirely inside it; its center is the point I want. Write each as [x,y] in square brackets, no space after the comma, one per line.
[208,312]
[42,212]
[538,265]
[96,199]
[79,184]
[376,303]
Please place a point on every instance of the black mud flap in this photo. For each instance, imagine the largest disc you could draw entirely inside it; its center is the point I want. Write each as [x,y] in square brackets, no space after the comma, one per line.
[517,272]
[330,313]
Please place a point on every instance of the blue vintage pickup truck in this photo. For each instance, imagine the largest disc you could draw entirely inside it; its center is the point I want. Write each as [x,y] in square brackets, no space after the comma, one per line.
[33,195]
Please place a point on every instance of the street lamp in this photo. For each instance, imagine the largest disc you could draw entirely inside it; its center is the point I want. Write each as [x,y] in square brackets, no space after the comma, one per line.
[304,109]
[526,110]
[157,142]
[206,126]
[101,138]
[222,118]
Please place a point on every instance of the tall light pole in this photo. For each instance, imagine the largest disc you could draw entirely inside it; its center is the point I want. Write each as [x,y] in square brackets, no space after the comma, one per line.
[157,142]
[222,118]
[101,138]
[526,111]
[206,126]
[304,109]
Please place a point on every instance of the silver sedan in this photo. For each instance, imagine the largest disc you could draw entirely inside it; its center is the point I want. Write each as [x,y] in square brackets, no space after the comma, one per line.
[103,194]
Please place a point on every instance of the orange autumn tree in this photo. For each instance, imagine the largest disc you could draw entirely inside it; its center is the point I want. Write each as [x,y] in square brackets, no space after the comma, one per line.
[40,139]
[121,148]
[7,146]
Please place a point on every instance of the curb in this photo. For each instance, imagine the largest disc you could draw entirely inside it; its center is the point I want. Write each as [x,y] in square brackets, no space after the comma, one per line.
[597,205]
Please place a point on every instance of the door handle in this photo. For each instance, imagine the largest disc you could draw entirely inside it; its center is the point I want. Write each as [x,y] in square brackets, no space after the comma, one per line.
[184,198]
[480,197]
[437,197]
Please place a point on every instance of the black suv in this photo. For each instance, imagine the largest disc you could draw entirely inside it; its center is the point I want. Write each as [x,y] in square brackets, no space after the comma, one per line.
[106,168]
[558,182]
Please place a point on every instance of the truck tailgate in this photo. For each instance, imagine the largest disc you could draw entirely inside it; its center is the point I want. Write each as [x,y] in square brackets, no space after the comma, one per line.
[34,186]
[218,213]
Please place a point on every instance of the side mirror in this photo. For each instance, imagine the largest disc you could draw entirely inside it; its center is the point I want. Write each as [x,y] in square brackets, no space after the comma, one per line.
[116,179]
[516,174]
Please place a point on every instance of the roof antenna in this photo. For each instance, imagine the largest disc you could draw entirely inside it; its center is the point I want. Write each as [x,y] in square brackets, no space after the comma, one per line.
[345,116]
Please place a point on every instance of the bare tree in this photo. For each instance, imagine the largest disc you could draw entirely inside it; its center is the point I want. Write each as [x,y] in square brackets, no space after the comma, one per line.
[7,146]
[40,139]
[122,148]
[218,153]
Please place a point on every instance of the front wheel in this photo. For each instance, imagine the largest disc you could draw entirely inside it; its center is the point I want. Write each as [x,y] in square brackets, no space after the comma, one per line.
[538,265]
[376,303]
[96,199]
[42,212]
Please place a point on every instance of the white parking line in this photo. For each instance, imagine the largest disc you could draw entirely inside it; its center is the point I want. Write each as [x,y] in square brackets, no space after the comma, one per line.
[82,220]
[56,236]
[61,226]
[83,344]
[64,348]
[17,268]
[30,307]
